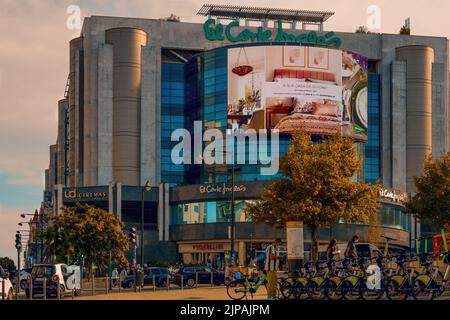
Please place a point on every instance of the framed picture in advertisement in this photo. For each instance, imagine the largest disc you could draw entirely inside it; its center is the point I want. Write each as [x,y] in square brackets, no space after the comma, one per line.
[318,58]
[294,56]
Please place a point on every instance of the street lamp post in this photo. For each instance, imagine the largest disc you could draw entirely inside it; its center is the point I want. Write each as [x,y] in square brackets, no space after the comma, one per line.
[147,187]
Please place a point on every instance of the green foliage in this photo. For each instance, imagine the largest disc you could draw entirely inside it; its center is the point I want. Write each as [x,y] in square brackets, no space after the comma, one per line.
[87,230]
[7,264]
[431,203]
[318,188]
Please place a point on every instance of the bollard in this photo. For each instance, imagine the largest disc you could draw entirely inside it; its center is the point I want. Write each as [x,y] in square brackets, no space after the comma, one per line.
[168,283]
[120,283]
[44,288]
[58,292]
[73,293]
[154,285]
[212,279]
[107,284]
[3,289]
[182,282]
[135,280]
[31,288]
[196,279]
[93,284]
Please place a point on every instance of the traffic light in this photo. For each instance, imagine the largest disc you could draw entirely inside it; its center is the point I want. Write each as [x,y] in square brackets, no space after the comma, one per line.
[132,235]
[18,240]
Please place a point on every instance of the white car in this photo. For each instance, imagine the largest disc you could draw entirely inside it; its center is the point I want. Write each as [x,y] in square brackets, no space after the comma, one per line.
[8,292]
[59,274]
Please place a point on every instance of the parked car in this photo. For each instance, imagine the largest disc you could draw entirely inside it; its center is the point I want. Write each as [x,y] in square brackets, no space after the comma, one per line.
[8,292]
[23,278]
[161,276]
[199,273]
[58,274]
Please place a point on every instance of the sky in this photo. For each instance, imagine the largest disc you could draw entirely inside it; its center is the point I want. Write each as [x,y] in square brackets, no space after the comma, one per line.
[34,43]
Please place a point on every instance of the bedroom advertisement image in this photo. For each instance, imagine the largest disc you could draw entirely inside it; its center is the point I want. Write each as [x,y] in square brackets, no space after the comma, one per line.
[322,90]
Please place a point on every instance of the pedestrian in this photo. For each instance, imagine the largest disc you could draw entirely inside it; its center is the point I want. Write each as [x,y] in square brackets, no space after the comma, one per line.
[115,277]
[332,249]
[271,267]
[123,273]
[350,251]
[209,261]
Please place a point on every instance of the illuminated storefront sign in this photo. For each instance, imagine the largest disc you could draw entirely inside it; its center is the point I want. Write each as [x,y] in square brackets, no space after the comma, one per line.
[74,194]
[220,189]
[394,195]
[218,32]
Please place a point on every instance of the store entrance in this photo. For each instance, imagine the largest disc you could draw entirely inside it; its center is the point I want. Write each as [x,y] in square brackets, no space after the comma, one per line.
[210,259]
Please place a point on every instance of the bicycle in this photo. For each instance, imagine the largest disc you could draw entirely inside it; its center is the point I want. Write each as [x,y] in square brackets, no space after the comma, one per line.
[239,288]
[430,283]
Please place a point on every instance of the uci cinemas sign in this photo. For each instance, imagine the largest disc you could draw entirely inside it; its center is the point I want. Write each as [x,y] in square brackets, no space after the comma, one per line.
[215,32]
[74,194]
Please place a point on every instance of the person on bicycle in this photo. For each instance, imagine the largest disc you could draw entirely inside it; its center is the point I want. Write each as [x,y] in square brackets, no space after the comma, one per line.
[351,252]
[271,267]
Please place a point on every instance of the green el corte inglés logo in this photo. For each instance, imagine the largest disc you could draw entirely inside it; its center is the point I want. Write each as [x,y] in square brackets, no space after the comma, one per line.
[215,32]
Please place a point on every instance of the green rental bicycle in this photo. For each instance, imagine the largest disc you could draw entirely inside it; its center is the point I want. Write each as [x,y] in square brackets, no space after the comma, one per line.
[239,288]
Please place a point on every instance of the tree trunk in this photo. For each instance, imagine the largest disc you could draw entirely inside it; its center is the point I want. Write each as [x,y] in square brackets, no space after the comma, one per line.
[314,244]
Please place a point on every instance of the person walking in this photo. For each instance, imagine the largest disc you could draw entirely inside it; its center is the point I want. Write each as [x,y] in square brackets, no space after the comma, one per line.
[350,251]
[271,267]
[114,277]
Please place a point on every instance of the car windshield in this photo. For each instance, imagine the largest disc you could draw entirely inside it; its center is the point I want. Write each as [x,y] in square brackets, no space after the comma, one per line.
[43,271]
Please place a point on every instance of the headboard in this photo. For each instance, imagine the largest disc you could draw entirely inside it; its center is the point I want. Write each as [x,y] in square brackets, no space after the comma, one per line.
[303,74]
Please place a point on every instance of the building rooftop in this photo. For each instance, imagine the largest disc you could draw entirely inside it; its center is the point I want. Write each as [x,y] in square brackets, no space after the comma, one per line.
[260,13]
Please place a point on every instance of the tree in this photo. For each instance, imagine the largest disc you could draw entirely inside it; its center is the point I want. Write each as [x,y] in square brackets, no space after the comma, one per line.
[317,187]
[7,264]
[362,29]
[405,30]
[89,231]
[431,203]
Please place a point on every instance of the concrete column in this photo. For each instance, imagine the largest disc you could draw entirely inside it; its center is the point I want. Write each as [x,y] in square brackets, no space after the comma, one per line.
[111,197]
[398,98]
[60,144]
[419,62]
[105,113]
[128,43]
[75,46]
[119,200]
[160,219]
[166,211]
[439,119]
[242,253]
[59,203]
[150,143]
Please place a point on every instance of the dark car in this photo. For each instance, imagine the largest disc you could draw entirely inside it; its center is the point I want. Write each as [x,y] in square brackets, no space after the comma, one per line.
[202,274]
[159,274]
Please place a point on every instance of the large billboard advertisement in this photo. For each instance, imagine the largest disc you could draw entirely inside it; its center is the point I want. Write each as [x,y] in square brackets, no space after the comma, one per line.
[322,90]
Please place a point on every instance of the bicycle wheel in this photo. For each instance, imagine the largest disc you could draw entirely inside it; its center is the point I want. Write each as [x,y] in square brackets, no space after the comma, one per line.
[394,290]
[315,291]
[299,291]
[332,290]
[286,289]
[420,290]
[237,290]
[349,291]
[371,294]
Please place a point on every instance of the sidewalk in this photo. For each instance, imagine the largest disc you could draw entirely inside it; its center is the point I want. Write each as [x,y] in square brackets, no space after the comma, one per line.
[201,293]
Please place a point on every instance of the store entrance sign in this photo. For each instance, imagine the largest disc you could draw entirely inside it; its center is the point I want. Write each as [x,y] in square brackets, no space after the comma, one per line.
[219,32]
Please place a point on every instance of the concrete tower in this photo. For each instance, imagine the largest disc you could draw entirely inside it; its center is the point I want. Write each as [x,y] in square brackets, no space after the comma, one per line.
[419,66]
[127,43]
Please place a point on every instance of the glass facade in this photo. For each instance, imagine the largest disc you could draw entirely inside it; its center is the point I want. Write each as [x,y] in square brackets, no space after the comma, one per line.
[197,91]
[208,212]
[172,117]
[372,151]
[394,217]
